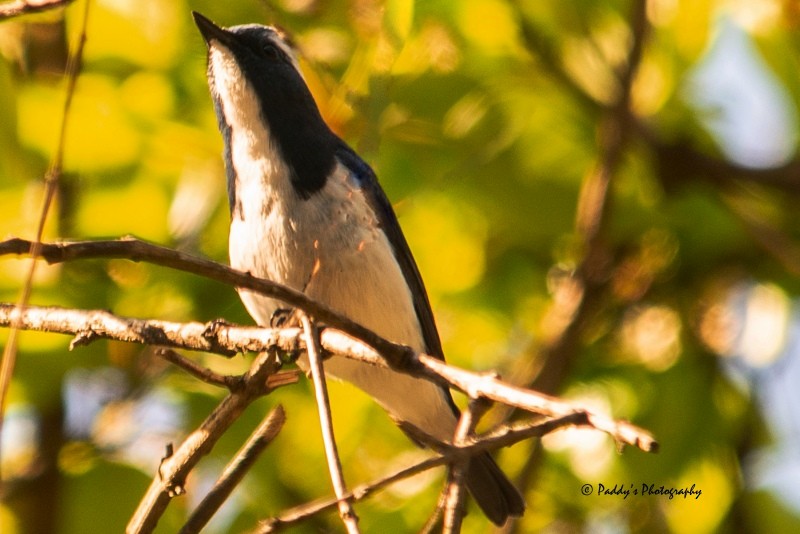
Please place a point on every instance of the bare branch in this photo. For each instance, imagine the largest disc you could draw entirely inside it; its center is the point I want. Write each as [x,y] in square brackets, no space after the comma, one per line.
[587,284]
[235,470]
[435,521]
[488,386]
[544,48]
[311,335]
[502,437]
[173,470]
[774,241]
[90,325]
[377,351]
[593,201]
[454,490]
[234,338]
[202,373]
[18,8]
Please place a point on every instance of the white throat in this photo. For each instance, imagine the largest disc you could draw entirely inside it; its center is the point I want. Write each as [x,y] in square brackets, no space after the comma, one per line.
[257,163]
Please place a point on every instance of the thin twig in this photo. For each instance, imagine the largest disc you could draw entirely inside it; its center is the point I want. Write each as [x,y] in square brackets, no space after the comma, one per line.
[434,521]
[235,470]
[18,8]
[546,50]
[454,490]
[51,180]
[302,512]
[346,512]
[503,437]
[488,386]
[593,203]
[589,281]
[173,470]
[202,373]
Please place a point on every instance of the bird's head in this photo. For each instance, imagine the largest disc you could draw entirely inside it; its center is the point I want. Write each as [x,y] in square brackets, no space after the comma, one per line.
[258,88]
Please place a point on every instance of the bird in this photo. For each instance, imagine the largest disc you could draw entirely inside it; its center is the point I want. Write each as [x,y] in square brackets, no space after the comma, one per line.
[308,212]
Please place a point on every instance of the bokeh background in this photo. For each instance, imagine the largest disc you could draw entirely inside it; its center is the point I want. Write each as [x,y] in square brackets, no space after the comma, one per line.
[601,197]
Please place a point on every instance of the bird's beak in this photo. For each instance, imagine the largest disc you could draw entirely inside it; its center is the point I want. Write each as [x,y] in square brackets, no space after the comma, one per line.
[211,31]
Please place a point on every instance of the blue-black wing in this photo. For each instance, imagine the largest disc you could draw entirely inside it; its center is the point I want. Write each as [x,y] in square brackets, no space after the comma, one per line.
[388,222]
[494,493]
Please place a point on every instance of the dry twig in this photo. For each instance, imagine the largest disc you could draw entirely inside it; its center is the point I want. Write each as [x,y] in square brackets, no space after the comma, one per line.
[501,437]
[453,503]
[18,8]
[311,335]
[235,470]
[173,470]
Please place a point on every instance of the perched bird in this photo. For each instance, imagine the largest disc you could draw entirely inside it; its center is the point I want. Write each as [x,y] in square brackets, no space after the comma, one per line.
[308,212]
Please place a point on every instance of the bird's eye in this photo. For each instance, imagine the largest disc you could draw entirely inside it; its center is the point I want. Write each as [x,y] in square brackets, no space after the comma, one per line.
[270,51]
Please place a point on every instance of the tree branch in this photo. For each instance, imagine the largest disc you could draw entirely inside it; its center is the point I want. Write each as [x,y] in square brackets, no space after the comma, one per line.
[227,339]
[233,338]
[582,293]
[678,163]
[18,8]
[201,373]
[235,470]
[174,469]
[90,325]
[454,490]
[311,335]
[544,48]
[504,436]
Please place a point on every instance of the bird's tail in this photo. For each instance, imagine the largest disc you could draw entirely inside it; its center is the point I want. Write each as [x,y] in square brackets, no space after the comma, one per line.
[492,490]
